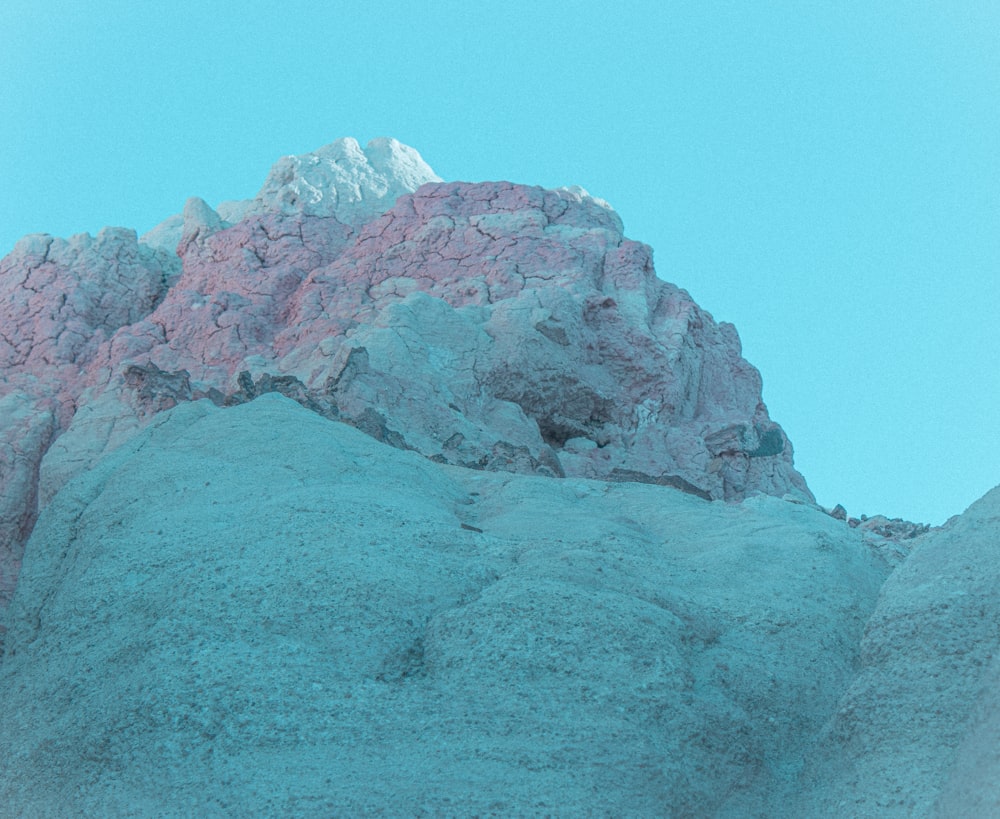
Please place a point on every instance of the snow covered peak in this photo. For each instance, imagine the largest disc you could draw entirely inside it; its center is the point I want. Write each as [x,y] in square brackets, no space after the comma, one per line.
[344,180]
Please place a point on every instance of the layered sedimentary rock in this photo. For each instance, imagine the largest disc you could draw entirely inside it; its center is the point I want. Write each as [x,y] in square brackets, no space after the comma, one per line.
[489,325]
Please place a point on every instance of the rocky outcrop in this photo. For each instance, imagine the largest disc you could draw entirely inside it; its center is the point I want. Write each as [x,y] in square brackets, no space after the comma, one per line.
[60,301]
[510,609]
[492,325]
[234,594]
[471,317]
[340,180]
[916,732]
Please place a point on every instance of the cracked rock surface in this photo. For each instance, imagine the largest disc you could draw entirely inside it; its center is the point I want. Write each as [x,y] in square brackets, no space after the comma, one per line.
[492,325]
[60,301]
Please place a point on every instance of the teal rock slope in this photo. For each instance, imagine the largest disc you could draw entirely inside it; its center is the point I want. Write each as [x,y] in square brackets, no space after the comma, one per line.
[257,611]
[917,733]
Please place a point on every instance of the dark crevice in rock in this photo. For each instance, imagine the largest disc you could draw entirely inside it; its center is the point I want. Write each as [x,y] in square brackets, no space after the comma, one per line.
[157,390]
[772,442]
[742,439]
[677,482]
[555,431]
[286,385]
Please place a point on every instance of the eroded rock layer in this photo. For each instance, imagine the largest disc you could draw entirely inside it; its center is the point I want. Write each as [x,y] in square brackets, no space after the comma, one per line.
[226,601]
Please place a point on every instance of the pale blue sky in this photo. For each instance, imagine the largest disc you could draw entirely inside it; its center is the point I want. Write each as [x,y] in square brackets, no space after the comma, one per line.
[824,175]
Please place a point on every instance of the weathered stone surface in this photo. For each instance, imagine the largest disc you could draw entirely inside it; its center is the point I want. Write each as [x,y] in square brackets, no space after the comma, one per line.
[340,180]
[256,610]
[493,325]
[916,732]
[28,426]
[893,528]
[61,302]
[60,299]
[472,317]
[343,180]
[220,592]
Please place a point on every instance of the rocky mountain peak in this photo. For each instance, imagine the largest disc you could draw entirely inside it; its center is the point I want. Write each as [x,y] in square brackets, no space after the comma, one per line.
[343,180]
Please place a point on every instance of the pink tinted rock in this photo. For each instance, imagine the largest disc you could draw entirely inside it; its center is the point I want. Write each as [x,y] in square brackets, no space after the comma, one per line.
[27,426]
[60,299]
[584,338]
[561,331]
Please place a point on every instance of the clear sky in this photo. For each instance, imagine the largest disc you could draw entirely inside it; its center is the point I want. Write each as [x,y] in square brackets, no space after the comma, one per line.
[825,175]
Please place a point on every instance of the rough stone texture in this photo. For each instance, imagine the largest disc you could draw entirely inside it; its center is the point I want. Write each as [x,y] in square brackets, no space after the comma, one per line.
[28,425]
[60,299]
[488,325]
[916,734]
[473,319]
[241,605]
[343,180]
[258,611]
[61,302]
[895,528]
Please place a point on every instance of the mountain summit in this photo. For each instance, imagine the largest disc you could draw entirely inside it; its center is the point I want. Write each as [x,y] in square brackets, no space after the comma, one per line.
[343,180]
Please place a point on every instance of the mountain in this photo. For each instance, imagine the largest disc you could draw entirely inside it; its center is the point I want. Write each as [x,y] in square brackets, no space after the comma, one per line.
[380,494]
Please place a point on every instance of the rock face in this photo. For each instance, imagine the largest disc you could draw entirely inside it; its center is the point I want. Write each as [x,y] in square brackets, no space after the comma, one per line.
[255,611]
[250,572]
[488,325]
[60,302]
[917,733]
